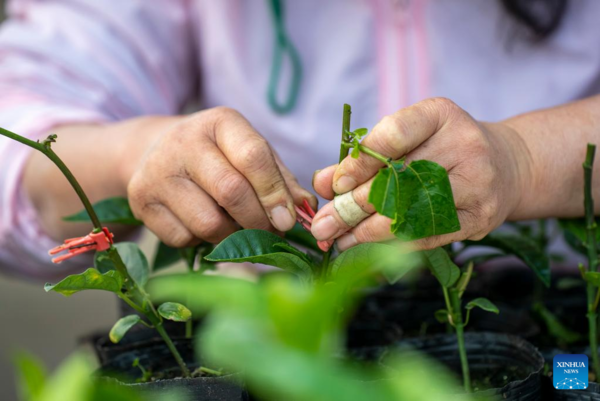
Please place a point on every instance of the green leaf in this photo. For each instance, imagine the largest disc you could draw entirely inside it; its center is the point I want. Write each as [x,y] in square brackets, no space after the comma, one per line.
[134,259]
[360,132]
[298,235]
[555,327]
[524,248]
[284,246]
[575,233]
[442,267]
[364,259]
[122,326]
[91,279]
[278,371]
[174,311]
[484,304]
[165,256]
[418,197]
[355,150]
[112,210]
[31,376]
[258,246]
[384,193]
[426,204]
[441,315]
[486,257]
[202,293]
[71,381]
[593,278]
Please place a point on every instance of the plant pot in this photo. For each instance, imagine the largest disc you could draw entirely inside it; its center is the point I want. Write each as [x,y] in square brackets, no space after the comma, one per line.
[154,355]
[491,356]
[396,312]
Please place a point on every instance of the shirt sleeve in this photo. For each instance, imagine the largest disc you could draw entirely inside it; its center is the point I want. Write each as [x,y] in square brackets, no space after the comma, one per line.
[76,61]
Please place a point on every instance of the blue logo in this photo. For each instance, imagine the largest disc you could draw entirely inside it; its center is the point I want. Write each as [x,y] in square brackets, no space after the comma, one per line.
[570,372]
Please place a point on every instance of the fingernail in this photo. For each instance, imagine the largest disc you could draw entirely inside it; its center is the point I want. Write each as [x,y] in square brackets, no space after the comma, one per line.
[344,184]
[346,241]
[314,176]
[282,218]
[325,228]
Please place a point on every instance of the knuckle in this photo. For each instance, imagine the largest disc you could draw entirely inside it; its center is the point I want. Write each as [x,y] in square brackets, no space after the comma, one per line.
[477,236]
[255,156]
[230,191]
[223,112]
[388,138]
[366,232]
[206,225]
[178,238]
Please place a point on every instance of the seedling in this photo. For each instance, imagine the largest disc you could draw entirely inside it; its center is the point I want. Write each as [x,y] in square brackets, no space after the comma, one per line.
[417,196]
[582,234]
[119,268]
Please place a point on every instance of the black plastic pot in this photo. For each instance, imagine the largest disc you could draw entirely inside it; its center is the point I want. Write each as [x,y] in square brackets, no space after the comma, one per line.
[489,354]
[153,355]
[393,313]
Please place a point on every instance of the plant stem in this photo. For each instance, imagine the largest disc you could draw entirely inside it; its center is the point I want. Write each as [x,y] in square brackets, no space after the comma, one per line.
[325,264]
[460,338]
[189,325]
[385,160]
[45,148]
[345,129]
[592,253]
[172,348]
[210,371]
[148,310]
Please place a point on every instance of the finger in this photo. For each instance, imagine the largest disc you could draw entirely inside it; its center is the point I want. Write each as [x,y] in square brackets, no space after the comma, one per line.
[343,213]
[394,136]
[168,228]
[252,156]
[299,193]
[197,211]
[329,223]
[377,228]
[322,181]
[230,189]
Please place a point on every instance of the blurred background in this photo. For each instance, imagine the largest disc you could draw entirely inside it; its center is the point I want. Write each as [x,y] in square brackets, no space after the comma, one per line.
[49,325]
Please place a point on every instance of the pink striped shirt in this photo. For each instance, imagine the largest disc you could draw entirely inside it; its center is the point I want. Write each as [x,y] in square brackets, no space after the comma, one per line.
[64,61]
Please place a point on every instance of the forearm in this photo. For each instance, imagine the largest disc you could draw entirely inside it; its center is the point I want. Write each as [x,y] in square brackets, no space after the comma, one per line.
[556,142]
[102,158]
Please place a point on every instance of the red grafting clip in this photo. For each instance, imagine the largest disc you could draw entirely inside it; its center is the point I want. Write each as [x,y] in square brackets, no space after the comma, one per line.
[304,216]
[74,246]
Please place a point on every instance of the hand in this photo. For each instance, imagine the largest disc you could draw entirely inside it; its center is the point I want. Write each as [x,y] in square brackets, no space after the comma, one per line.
[488,166]
[208,173]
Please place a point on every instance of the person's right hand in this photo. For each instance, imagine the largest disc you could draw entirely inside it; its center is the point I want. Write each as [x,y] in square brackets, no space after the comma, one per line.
[206,174]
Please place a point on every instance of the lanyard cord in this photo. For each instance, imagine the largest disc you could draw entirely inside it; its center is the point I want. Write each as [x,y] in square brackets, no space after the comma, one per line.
[283,46]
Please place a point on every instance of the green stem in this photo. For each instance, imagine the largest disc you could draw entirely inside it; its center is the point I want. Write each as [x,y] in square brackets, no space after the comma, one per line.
[133,290]
[172,348]
[45,148]
[345,130]
[385,160]
[210,371]
[325,264]
[460,338]
[592,253]
[189,326]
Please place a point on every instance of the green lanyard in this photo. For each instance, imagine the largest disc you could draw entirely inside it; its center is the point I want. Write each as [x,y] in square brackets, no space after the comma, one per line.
[283,46]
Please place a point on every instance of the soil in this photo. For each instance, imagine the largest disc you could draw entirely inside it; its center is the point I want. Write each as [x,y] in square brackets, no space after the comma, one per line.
[484,379]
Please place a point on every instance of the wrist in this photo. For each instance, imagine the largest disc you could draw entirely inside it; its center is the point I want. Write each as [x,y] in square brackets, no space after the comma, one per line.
[516,166]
